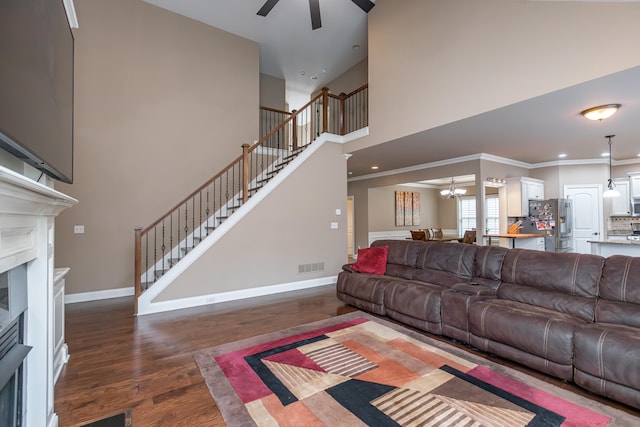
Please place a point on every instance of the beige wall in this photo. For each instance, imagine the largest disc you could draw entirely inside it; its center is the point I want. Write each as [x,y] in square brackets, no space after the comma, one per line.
[350,80]
[382,208]
[289,228]
[162,103]
[272,92]
[433,62]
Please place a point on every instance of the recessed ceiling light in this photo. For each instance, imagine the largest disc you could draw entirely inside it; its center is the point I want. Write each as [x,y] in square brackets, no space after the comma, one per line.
[314,77]
[355,47]
[374,167]
[349,173]
[302,73]
[562,155]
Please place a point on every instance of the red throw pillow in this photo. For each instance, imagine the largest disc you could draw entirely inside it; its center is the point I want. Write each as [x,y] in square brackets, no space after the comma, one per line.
[372,260]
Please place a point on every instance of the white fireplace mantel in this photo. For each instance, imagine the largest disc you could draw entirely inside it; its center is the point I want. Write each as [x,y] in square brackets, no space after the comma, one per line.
[27,212]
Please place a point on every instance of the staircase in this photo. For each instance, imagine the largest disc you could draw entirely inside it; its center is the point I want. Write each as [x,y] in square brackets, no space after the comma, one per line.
[171,238]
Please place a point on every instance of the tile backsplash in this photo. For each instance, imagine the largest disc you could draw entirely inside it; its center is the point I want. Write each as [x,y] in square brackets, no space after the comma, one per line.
[620,225]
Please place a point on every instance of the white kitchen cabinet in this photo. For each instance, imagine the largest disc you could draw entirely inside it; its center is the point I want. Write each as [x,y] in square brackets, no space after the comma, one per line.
[519,192]
[635,185]
[535,243]
[621,206]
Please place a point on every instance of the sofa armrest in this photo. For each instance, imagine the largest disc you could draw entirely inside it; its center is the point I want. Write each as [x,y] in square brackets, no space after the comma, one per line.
[347,267]
[473,289]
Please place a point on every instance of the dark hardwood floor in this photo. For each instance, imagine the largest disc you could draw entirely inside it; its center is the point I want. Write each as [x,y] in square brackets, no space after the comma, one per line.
[119,361]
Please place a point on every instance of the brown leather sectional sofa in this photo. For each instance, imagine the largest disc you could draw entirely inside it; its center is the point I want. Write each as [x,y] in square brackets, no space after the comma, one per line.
[573,316]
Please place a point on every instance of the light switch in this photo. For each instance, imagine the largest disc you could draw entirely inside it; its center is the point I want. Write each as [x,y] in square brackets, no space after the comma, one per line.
[338,212]
[334,225]
[78,229]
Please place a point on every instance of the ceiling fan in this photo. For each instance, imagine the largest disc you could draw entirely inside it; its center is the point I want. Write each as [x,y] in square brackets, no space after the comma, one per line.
[314,8]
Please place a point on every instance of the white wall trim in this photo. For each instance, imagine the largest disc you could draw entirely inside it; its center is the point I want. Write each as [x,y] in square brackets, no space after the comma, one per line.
[98,295]
[495,159]
[162,306]
[71,13]
[388,235]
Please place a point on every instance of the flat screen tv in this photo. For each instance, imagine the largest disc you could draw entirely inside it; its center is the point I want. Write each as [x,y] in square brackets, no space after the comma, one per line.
[36,85]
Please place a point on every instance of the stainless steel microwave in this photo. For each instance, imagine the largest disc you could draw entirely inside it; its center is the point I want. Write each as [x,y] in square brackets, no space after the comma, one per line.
[635,206]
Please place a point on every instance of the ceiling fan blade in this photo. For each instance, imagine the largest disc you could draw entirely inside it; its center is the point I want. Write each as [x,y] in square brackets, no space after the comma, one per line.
[365,5]
[266,7]
[314,8]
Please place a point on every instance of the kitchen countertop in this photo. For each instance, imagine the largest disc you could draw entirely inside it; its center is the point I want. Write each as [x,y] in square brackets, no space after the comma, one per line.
[515,236]
[616,242]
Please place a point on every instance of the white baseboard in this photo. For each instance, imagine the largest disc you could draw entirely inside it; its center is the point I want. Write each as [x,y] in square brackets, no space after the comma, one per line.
[162,306]
[98,295]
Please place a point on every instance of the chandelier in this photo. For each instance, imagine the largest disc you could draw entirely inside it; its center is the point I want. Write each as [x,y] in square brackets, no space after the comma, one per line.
[452,192]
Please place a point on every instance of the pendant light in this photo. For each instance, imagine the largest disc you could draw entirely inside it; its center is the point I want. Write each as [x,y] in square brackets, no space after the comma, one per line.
[611,191]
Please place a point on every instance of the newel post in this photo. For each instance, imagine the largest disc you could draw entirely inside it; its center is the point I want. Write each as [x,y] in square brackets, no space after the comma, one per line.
[343,124]
[294,129]
[325,109]
[245,173]
[137,269]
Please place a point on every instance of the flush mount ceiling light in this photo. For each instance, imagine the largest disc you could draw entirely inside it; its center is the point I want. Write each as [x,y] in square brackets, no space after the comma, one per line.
[452,191]
[601,112]
[611,191]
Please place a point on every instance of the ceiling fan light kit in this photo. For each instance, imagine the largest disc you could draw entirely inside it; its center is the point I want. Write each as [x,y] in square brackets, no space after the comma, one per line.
[314,9]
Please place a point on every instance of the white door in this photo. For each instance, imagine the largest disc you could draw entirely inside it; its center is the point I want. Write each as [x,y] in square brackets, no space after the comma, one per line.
[587,215]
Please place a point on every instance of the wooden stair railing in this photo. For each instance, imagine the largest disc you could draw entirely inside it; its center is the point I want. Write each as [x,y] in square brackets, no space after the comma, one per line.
[161,245]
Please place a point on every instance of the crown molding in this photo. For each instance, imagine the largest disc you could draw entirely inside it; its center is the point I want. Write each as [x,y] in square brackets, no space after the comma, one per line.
[495,159]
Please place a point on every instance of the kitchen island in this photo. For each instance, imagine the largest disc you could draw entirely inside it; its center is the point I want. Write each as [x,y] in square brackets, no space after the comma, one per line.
[615,247]
[520,240]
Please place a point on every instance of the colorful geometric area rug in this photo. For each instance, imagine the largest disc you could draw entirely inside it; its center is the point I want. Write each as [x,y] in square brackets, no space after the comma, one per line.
[358,370]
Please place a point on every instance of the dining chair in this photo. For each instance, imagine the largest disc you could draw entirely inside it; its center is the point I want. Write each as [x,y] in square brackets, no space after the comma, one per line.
[437,233]
[469,237]
[417,235]
[427,234]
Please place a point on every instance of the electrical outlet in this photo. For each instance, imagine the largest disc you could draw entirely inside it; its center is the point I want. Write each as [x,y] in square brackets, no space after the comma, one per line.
[78,229]
[334,225]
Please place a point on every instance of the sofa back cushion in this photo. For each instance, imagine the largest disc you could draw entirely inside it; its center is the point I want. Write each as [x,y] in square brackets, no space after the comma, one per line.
[560,281]
[445,264]
[401,257]
[619,291]
[487,265]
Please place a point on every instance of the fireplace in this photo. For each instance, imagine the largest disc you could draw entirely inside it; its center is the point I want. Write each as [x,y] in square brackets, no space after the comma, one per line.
[27,213]
[13,303]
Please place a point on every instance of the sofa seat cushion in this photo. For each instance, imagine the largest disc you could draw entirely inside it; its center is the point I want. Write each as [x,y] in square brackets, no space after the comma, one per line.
[415,303]
[535,330]
[610,352]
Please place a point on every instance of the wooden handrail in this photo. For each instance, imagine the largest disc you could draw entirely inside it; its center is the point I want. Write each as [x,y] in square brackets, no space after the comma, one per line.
[283,124]
[275,110]
[186,199]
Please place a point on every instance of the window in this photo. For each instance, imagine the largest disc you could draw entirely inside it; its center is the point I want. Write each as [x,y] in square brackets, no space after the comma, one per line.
[467,214]
[492,219]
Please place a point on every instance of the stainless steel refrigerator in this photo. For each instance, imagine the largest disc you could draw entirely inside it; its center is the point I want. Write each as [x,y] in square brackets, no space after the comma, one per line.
[553,217]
